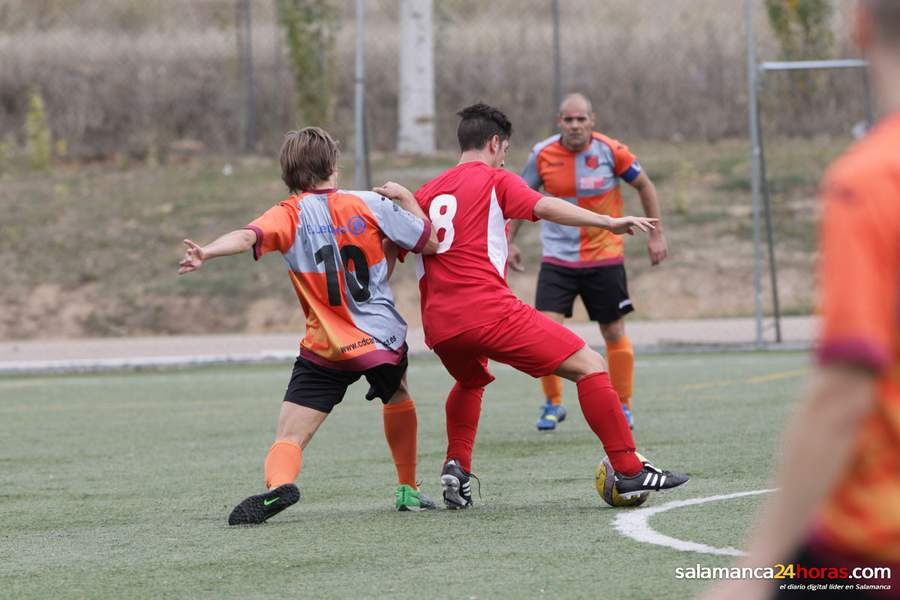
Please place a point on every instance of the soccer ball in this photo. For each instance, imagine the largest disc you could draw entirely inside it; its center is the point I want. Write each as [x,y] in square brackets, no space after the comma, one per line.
[606,480]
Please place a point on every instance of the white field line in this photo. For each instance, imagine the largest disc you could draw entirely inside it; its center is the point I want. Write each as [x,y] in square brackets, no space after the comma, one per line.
[634,524]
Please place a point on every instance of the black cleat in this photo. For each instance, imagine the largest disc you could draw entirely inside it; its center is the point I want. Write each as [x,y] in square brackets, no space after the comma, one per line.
[256,509]
[650,479]
[456,485]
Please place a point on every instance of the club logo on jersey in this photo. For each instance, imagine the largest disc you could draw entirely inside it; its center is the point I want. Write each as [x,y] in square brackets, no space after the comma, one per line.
[357,225]
[592,161]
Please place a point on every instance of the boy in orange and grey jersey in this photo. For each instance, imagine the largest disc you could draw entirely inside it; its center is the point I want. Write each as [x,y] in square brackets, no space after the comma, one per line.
[586,168]
[332,242]
[838,506]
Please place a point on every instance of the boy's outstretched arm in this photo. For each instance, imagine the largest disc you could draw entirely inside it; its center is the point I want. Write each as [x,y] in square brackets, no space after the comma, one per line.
[235,242]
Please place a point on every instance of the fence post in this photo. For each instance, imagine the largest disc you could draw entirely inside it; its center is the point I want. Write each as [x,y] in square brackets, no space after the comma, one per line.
[359,103]
[249,90]
[755,165]
[280,112]
[557,60]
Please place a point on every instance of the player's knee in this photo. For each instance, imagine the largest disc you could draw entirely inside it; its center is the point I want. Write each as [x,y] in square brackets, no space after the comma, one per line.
[400,396]
[613,332]
[402,393]
[586,361]
[593,362]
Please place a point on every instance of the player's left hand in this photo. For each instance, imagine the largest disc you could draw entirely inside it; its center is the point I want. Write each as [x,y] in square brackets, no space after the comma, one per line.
[392,190]
[657,247]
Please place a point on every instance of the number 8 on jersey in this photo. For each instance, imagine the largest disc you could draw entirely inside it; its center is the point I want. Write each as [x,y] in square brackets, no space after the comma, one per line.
[441,213]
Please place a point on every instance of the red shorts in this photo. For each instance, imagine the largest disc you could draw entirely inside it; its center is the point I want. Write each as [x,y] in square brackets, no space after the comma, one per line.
[524,339]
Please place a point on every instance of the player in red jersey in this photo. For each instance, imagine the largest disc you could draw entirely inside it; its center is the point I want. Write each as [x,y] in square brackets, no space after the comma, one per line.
[470,315]
[332,242]
[835,518]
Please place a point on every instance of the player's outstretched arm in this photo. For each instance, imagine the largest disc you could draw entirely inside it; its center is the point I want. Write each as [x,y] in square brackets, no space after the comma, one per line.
[566,213]
[234,242]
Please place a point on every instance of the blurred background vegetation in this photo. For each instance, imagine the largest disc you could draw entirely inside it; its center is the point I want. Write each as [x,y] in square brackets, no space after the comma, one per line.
[123,129]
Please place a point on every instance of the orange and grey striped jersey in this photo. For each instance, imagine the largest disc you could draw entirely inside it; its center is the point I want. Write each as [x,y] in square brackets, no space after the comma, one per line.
[331,241]
[590,179]
[860,306]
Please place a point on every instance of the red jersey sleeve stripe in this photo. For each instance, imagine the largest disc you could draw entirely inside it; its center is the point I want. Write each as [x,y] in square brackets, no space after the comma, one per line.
[257,247]
[854,351]
[423,239]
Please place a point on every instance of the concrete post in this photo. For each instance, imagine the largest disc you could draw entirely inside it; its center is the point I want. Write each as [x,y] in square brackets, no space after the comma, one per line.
[416,134]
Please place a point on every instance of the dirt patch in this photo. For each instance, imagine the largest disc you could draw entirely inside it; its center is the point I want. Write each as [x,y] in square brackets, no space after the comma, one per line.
[110,242]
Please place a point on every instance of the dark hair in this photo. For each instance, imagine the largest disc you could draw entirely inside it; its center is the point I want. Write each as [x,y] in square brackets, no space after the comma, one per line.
[886,19]
[308,156]
[479,124]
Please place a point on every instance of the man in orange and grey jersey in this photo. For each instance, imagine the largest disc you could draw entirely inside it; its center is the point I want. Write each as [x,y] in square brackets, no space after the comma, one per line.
[835,518]
[586,168]
[332,242]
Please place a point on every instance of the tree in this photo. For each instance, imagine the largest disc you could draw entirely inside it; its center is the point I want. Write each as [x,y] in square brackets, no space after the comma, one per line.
[802,27]
[803,30]
[309,27]
[38,138]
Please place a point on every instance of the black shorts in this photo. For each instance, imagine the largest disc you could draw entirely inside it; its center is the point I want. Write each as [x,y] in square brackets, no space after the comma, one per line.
[321,388]
[604,291]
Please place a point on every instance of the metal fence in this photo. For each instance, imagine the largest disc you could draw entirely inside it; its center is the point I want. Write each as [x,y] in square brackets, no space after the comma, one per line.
[152,80]
[143,77]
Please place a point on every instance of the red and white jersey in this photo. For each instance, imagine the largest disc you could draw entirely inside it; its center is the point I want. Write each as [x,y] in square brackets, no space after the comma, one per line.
[463,285]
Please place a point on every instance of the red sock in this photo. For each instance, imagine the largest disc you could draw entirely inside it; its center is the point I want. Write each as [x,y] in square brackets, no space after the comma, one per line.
[603,413]
[463,410]
[400,427]
[282,463]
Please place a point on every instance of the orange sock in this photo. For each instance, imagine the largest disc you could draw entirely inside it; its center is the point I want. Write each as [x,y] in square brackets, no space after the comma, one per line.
[553,388]
[621,368]
[282,463]
[400,430]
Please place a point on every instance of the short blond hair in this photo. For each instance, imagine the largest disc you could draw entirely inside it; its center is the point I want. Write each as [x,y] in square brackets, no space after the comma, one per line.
[308,156]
